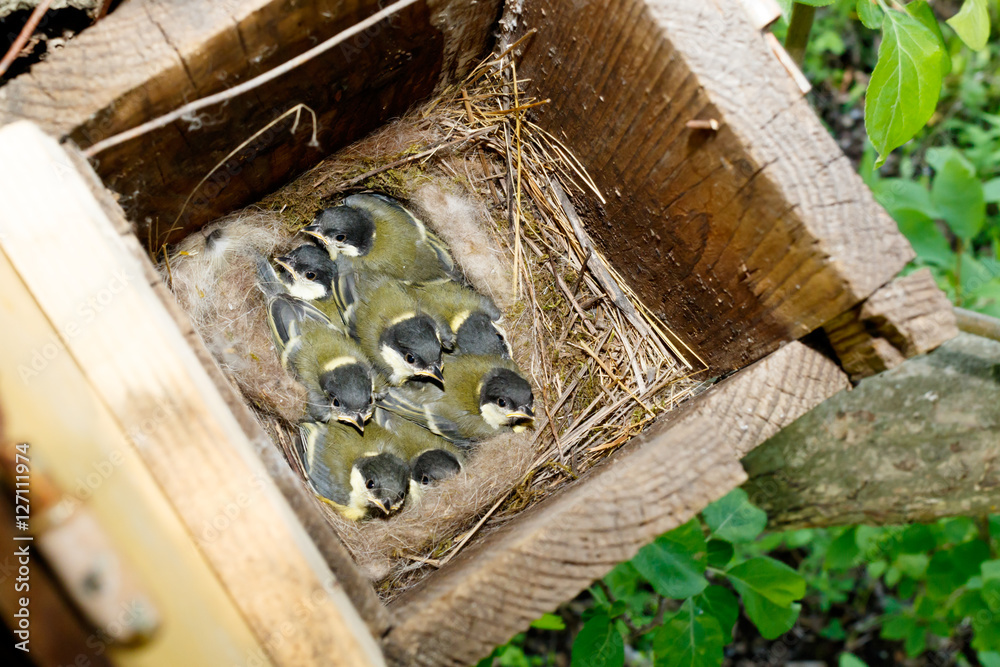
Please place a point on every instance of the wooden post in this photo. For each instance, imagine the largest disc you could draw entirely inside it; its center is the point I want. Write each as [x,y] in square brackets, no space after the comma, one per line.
[83,272]
[658,481]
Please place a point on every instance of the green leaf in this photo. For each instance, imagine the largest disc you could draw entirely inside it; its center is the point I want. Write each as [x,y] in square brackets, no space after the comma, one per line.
[849,660]
[904,88]
[957,193]
[722,604]
[916,539]
[897,627]
[816,3]
[870,14]
[598,644]
[927,240]
[991,191]
[915,642]
[734,518]
[769,578]
[920,10]
[720,553]
[549,622]
[771,620]
[912,565]
[972,23]
[689,639]
[951,568]
[689,535]
[834,630]
[671,568]
[989,659]
[843,552]
[990,569]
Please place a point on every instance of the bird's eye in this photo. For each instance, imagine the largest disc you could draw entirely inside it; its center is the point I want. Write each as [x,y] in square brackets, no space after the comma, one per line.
[410,359]
[425,480]
[500,336]
[310,275]
[340,238]
[502,402]
[336,402]
[370,484]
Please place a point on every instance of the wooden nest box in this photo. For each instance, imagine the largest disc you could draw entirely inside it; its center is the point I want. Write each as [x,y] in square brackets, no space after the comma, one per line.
[729,211]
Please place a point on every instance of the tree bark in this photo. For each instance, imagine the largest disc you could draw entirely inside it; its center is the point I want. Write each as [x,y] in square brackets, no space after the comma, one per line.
[914,444]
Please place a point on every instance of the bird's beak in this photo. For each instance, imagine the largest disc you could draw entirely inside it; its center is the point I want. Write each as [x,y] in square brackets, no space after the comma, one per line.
[283,263]
[522,415]
[313,231]
[433,374]
[382,506]
[357,421]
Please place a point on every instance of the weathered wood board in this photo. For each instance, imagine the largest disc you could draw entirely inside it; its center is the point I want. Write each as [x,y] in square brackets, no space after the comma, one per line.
[151,56]
[83,271]
[659,480]
[741,238]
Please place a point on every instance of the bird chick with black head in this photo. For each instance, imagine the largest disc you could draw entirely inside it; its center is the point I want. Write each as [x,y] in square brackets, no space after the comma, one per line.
[431,458]
[482,396]
[474,320]
[307,272]
[394,331]
[361,476]
[339,380]
[381,236]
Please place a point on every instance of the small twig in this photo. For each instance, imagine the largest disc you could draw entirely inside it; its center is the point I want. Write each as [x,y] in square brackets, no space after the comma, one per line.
[569,295]
[604,367]
[256,82]
[799,27]
[583,271]
[699,124]
[24,35]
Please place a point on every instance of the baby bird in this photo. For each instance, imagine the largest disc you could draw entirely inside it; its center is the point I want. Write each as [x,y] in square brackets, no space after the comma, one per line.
[359,475]
[473,318]
[383,237]
[482,396]
[394,331]
[333,368]
[431,457]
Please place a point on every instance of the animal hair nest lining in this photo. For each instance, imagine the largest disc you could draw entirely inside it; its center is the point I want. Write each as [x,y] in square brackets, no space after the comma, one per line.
[497,189]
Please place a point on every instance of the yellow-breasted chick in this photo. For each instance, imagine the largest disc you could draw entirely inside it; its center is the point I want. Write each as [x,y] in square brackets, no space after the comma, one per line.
[482,396]
[338,377]
[431,458]
[308,273]
[473,319]
[359,475]
[401,338]
[382,236]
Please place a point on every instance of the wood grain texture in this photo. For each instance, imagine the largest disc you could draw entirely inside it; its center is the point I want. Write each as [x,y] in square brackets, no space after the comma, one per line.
[136,360]
[151,56]
[304,503]
[742,238]
[658,481]
[762,13]
[914,444]
[907,317]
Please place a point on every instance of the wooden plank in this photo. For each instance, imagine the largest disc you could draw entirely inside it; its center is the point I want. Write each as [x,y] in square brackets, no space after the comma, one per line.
[303,502]
[151,56]
[741,238]
[136,360]
[762,13]
[659,480]
[907,317]
[48,403]
[914,444]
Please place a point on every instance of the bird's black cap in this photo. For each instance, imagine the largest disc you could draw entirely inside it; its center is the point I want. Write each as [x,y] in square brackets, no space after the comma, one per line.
[386,477]
[478,336]
[435,465]
[416,336]
[508,390]
[350,385]
[346,226]
[312,263]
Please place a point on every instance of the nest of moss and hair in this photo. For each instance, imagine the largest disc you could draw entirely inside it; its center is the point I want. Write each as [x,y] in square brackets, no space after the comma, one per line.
[499,190]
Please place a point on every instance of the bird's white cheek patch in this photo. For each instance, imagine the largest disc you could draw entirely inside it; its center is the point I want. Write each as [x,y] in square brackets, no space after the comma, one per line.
[306,290]
[394,360]
[493,415]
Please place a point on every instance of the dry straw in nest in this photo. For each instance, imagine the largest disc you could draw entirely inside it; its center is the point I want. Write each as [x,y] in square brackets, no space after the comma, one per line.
[498,188]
